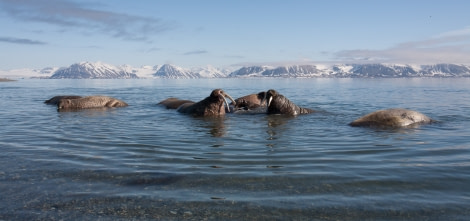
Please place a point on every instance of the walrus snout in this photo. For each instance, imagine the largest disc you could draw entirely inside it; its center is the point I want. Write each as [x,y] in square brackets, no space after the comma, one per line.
[63,103]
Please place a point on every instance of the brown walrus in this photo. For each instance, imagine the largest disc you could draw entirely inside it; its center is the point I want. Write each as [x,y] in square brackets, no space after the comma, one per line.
[395,117]
[174,103]
[210,106]
[96,101]
[251,101]
[278,104]
[55,100]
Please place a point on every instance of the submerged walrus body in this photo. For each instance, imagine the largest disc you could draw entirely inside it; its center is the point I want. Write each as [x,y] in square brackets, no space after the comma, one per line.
[211,106]
[97,101]
[174,103]
[278,104]
[396,117]
[55,100]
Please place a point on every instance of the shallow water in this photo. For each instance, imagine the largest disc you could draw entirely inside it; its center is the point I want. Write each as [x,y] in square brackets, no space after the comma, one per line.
[147,162]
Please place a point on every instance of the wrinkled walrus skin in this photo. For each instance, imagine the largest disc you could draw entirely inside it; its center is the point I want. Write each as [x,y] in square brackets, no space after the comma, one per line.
[392,118]
[278,104]
[250,102]
[174,103]
[97,101]
[55,100]
[209,107]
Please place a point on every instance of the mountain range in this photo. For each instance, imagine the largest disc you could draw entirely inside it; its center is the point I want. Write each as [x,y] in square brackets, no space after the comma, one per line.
[355,71]
[100,70]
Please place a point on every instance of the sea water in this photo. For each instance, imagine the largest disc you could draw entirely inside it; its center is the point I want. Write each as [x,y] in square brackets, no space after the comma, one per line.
[147,162]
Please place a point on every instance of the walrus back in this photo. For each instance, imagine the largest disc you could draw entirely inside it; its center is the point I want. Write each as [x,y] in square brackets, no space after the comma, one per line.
[391,118]
[55,100]
[91,102]
[204,108]
[174,103]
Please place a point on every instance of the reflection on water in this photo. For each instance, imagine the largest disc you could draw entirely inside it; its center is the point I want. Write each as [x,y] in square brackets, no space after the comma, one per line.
[216,125]
[276,127]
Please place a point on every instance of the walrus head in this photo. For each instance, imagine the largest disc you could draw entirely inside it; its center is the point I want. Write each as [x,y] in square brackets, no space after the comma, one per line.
[269,96]
[220,94]
[63,104]
[250,101]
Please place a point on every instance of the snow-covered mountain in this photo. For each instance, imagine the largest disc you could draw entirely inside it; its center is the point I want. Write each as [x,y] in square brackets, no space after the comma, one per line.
[252,71]
[28,73]
[445,70]
[145,71]
[174,72]
[99,70]
[356,71]
[96,70]
[292,71]
[210,71]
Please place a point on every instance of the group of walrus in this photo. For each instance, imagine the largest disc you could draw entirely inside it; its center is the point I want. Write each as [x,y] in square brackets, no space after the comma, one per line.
[268,102]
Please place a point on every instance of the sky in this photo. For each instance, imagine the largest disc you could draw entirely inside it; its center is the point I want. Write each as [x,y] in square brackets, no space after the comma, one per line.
[189,33]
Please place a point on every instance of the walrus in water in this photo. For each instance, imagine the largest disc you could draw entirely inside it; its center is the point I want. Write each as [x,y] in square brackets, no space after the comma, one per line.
[96,101]
[173,103]
[251,101]
[210,106]
[396,117]
[278,104]
[55,100]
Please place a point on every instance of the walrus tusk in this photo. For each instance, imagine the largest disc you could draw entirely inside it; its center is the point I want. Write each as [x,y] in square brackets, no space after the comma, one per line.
[269,101]
[264,100]
[231,99]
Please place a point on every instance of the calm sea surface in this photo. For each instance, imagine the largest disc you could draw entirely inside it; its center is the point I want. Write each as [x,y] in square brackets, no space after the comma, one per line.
[147,162]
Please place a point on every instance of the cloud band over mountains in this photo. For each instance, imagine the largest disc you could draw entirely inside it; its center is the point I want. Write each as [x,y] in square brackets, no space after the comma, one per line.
[448,47]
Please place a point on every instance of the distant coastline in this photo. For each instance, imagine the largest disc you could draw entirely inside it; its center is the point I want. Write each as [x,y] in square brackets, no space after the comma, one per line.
[100,70]
[5,79]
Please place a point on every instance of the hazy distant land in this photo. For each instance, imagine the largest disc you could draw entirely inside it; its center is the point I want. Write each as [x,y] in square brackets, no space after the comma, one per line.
[5,79]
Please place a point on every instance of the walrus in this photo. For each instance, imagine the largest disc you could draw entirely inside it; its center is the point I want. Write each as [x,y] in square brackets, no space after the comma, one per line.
[210,106]
[173,102]
[278,104]
[96,101]
[55,100]
[395,117]
[251,101]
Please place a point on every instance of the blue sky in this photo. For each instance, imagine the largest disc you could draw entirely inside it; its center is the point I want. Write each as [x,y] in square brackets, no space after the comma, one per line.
[190,33]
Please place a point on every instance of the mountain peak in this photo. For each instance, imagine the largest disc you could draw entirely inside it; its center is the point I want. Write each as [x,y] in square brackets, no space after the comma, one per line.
[96,70]
[174,72]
